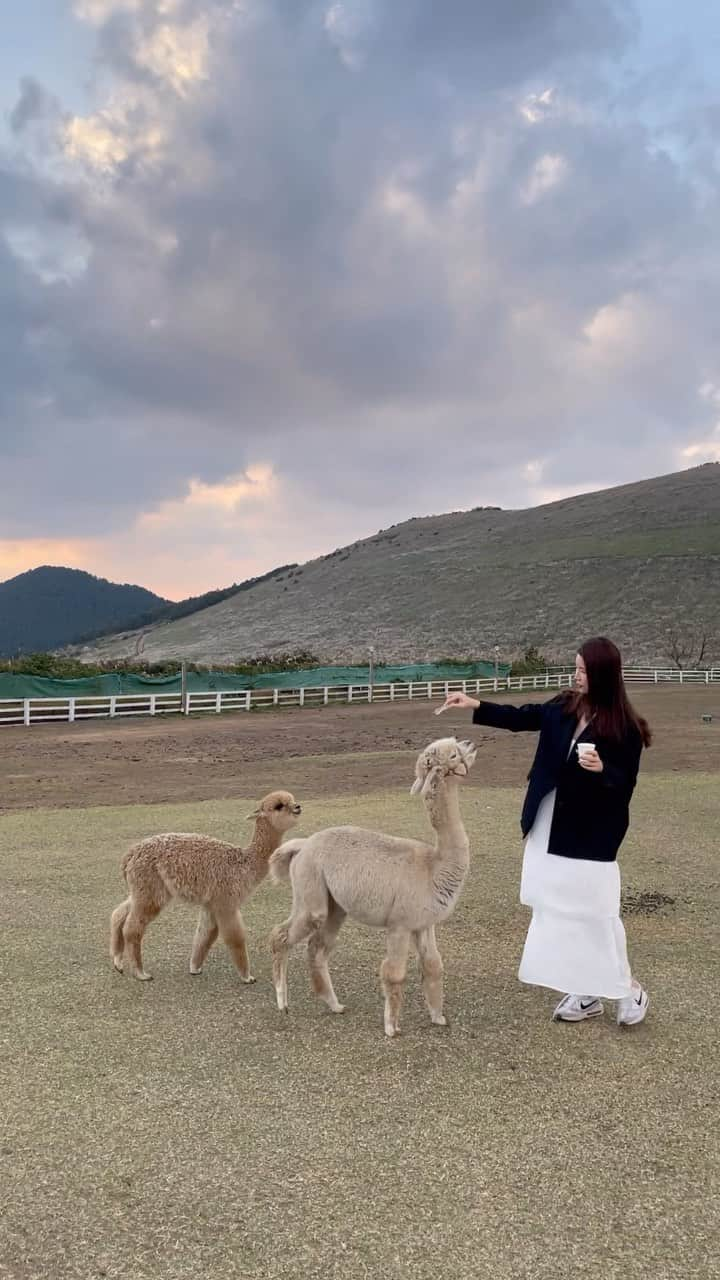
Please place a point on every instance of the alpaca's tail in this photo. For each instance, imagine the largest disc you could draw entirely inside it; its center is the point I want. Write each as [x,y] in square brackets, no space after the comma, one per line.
[117,924]
[282,857]
[126,860]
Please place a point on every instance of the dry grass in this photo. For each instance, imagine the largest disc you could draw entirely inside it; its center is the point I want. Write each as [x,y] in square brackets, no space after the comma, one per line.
[184,1129]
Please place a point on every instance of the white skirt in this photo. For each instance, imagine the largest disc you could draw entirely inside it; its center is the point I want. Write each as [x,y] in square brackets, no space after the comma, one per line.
[576,940]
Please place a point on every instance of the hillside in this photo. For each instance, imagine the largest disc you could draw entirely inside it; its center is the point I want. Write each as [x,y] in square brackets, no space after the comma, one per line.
[50,606]
[639,562]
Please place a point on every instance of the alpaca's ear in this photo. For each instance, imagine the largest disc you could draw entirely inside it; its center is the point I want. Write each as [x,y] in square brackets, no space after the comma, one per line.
[422,768]
[420,786]
[430,781]
[256,813]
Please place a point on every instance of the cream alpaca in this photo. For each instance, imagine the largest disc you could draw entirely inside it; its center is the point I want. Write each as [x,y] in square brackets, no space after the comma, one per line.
[215,875]
[403,885]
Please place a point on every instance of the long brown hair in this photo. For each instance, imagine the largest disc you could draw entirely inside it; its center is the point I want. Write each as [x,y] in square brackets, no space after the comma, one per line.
[606,700]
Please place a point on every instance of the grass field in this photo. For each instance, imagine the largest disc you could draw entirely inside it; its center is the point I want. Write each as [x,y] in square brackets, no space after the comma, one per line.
[184,1129]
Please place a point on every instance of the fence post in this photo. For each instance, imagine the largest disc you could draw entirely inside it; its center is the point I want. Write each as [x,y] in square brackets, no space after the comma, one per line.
[248,695]
[392,692]
[410,685]
[350,689]
[153,703]
[113,705]
[276,695]
[681,675]
[26,710]
[218,702]
[325,696]
[302,697]
[71,709]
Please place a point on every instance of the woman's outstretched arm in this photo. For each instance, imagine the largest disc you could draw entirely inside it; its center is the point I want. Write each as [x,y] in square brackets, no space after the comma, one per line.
[497,715]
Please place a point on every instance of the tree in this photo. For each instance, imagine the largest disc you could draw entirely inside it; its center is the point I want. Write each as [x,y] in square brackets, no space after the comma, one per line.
[687,646]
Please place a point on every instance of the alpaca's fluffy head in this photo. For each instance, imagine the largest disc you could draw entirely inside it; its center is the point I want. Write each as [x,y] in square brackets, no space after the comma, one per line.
[442,759]
[280,808]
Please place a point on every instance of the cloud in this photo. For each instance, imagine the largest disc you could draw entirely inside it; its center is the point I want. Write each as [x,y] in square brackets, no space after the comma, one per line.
[703,450]
[33,104]
[537,106]
[100,11]
[393,254]
[546,173]
[208,536]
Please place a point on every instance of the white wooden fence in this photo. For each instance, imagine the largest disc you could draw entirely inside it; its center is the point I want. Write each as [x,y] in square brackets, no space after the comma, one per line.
[28,711]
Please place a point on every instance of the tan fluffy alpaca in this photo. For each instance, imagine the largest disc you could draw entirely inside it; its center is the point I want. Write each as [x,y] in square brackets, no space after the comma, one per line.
[215,875]
[402,885]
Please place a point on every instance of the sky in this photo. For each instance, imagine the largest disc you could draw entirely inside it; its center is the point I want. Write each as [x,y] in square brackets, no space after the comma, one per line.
[275,274]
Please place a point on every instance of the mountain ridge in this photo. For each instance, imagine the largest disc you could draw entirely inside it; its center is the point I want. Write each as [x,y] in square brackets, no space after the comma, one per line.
[50,605]
[638,561]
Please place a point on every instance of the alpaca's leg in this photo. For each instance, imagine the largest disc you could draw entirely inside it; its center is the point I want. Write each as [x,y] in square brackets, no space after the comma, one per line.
[308,915]
[138,919]
[432,973]
[394,968]
[233,935]
[319,947]
[297,928]
[117,942]
[205,935]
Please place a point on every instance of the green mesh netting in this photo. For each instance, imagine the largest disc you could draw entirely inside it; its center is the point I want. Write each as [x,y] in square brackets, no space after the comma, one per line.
[23,686]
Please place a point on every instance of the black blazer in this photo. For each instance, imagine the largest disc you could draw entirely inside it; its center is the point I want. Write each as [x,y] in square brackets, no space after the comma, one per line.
[591,809]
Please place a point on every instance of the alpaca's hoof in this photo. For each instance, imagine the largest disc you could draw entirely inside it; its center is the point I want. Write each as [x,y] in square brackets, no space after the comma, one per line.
[195,972]
[117,964]
[249,980]
[438,1020]
[142,976]
[337,1008]
[391,1031]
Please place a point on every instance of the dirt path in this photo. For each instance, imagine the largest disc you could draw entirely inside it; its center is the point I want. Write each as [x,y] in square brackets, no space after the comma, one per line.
[169,759]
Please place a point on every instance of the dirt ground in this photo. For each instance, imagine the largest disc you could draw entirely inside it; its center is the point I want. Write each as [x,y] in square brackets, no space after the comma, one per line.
[332,751]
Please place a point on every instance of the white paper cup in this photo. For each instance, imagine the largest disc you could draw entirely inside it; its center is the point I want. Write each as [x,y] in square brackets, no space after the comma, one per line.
[584,747]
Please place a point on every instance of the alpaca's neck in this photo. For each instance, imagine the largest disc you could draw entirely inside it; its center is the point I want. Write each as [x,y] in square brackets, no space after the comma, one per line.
[443,807]
[449,866]
[264,843]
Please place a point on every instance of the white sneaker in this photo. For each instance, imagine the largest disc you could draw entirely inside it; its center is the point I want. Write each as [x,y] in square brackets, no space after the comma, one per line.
[632,1009]
[577,1008]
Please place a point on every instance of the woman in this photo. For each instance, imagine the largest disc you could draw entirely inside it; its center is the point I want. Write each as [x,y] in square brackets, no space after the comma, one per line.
[575,816]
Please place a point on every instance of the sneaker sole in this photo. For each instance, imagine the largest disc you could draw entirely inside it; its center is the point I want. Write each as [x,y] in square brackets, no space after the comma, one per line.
[580,1017]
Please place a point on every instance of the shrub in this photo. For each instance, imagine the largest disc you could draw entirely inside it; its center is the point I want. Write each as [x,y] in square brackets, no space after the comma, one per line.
[530,664]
